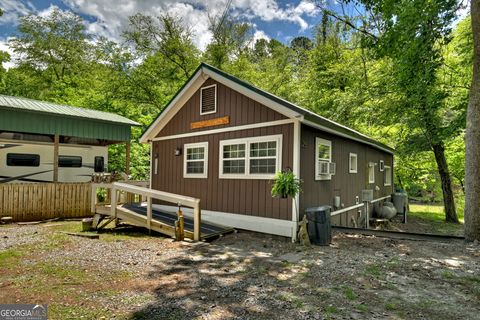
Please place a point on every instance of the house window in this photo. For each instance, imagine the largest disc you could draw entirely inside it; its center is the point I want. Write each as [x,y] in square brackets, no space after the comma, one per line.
[371,172]
[388,176]
[196,159]
[382,165]
[324,167]
[69,161]
[208,99]
[250,158]
[352,163]
[23,160]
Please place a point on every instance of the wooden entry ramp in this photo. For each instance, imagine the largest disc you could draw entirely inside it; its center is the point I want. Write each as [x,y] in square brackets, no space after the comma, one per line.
[146,216]
[207,230]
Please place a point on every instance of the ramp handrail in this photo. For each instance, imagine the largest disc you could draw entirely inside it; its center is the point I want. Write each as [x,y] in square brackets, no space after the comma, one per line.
[150,194]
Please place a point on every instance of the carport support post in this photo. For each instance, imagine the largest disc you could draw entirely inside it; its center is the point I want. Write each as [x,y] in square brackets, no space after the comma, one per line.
[127,157]
[56,142]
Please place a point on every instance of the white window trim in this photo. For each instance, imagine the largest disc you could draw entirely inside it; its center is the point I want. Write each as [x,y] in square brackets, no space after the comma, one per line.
[350,156]
[382,165]
[327,143]
[201,98]
[371,165]
[205,160]
[389,176]
[247,141]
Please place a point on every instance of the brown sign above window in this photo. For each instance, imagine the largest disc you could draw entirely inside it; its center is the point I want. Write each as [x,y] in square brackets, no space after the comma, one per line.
[210,123]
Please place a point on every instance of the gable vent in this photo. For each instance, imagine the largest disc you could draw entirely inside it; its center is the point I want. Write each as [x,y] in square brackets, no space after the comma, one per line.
[208,99]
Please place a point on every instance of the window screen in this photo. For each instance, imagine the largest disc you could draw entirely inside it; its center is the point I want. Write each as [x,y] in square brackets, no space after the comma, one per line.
[70,161]
[23,160]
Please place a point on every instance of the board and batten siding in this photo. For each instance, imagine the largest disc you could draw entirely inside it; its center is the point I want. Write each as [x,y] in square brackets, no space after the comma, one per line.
[344,184]
[239,108]
[249,197]
[241,196]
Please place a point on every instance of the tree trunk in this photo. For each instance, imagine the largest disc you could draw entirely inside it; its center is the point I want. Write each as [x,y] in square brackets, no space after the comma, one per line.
[448,200]
[472,154]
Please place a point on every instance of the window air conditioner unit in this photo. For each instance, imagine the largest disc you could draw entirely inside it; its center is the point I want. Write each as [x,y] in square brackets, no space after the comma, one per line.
[327,168]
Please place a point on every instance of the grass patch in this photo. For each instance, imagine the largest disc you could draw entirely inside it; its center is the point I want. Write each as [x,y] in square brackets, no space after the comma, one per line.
[361,307]
[9,258]
[390,306]
[349,294]
[434,217]
[373,270]
[58,311]
[331,310]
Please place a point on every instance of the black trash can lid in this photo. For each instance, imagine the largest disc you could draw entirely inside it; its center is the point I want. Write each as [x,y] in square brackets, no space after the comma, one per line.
[320,208]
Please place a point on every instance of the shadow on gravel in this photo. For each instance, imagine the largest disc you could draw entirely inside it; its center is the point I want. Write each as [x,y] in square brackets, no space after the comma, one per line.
[217,282]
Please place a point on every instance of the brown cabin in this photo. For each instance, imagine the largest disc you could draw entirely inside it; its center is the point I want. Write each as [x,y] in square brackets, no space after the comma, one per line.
[222,140]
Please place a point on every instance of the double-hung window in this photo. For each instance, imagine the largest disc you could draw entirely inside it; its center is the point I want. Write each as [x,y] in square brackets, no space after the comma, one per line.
[324,167]
[371,172]
[388,176]
[253,158]
[353,163]
[195,160]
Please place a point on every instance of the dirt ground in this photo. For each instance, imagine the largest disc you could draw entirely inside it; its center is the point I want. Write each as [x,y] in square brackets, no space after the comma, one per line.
[128,275]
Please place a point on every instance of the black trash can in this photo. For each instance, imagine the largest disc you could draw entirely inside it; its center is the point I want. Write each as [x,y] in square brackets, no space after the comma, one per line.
[319,226]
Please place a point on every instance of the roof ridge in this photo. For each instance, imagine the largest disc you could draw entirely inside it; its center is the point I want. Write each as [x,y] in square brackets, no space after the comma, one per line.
[295,106]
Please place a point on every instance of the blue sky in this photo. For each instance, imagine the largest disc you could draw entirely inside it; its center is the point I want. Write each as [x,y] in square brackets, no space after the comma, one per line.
[278,19]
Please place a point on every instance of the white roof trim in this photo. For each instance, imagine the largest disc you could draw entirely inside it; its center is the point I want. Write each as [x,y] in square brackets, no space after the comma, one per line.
[173,107]
[190,89]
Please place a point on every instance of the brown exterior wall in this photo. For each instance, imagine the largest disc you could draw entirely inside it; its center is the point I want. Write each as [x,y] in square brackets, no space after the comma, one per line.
[241,196]
[241,110]
[344,184]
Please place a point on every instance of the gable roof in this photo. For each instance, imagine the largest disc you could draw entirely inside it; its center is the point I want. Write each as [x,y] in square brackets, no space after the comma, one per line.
[276,103]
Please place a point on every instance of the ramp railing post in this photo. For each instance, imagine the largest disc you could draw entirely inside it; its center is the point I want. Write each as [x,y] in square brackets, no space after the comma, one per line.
[149,214]
[113,202]
[196,222]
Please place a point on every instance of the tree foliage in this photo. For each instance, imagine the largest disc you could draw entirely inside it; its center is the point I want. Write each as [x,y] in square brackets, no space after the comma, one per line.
[396,72]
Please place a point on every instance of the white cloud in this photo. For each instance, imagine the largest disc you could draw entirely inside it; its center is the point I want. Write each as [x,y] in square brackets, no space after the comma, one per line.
[12,10]
[109,18]
[260,34]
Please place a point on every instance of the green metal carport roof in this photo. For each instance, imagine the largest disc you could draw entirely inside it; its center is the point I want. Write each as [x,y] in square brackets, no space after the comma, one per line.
[32,116]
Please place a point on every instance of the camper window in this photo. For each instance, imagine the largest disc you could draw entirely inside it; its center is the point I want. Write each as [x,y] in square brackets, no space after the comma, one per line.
[196,157]
[99,165]
[23,160]
[69,161]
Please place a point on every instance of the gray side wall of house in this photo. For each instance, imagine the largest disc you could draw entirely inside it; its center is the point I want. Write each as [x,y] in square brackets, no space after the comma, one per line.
[344,184]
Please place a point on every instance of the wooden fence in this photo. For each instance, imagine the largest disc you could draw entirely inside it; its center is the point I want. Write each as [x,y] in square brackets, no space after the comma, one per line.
[40,201]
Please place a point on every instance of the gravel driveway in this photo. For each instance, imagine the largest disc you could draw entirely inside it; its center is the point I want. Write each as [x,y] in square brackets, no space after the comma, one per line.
[128,275]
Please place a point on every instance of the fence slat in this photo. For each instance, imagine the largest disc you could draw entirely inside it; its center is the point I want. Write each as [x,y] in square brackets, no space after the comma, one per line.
[39,201]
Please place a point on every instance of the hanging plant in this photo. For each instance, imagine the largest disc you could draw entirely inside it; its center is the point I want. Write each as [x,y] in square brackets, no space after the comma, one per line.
[286,184]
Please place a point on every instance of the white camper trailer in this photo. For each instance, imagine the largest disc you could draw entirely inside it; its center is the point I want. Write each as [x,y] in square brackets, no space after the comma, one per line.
[33,161]
[33,133]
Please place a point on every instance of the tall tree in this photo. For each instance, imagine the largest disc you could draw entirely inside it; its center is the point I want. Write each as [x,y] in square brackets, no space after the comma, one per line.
[472,169]
[54,46]
[413,34]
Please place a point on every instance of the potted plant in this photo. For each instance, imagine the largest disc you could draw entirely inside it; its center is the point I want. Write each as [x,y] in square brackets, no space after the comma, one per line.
[286,184]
